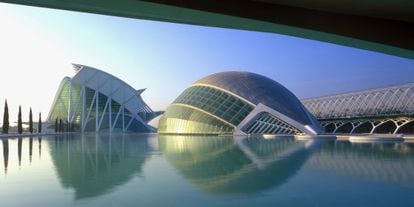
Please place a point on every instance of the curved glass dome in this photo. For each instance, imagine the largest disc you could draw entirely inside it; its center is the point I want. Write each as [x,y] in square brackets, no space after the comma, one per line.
[237,103]
[259,89]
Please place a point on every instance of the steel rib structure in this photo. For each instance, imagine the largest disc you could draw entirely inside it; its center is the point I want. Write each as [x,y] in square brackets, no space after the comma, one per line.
[94,100]
[380,110]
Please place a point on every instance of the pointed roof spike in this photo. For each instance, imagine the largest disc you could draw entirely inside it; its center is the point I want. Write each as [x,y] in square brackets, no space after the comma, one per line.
[139,91]
[77,67]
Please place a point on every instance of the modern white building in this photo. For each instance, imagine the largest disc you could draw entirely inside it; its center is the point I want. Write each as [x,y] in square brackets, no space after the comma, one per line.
[238,103]
[94,100]
[373,111]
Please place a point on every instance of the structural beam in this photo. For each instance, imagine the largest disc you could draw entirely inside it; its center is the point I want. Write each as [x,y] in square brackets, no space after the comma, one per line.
[378,32]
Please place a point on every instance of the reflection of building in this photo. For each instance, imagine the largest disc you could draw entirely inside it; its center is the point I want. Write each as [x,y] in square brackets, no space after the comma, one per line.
[388,163]
[239,103]
[94,164]
[223,165]
[93,100]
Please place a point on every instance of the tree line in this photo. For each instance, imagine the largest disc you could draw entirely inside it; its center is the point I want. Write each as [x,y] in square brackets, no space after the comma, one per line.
[6,123]
[60,126]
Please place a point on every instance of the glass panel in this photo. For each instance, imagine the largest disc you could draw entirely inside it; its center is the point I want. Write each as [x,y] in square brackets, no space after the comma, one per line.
[102,101]
[267,123]
[216,102]
[60,109]
[184,120]
[88,100]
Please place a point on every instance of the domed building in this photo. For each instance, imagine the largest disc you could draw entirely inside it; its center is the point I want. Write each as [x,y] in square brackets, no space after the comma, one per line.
[238,103]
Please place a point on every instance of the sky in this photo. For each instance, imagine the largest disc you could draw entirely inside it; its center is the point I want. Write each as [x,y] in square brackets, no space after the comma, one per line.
[38,45]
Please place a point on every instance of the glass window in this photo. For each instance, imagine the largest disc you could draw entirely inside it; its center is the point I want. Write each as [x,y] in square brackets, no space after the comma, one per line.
[181,119]
[266,123]
[216,102]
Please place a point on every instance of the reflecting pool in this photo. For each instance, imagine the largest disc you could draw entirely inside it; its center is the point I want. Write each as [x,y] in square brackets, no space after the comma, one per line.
[151,170]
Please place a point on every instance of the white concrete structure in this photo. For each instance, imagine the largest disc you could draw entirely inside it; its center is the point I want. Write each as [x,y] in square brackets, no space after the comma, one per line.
[94,100]
[379,110]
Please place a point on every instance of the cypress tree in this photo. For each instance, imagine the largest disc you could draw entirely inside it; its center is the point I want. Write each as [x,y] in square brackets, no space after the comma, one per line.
[40,123]
[6,119]
[56,125]
[60,125]
[19,121]
[30,121]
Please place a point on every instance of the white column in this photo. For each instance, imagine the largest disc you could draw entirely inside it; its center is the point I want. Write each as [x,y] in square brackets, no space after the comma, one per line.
[96,110]
[70,102]
[123,119]
[83,109]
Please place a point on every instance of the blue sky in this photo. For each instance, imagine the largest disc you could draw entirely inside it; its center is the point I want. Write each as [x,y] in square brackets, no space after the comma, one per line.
[38,46]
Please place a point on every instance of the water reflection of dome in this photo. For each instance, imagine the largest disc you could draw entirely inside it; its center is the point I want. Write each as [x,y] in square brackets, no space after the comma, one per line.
[95,164]
[223,165]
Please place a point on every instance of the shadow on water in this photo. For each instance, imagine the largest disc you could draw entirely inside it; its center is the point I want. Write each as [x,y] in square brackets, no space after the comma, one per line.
[226,165]
[93,164]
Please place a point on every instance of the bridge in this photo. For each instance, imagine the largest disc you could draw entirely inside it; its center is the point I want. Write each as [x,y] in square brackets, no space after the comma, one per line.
[380,110]
[385,26]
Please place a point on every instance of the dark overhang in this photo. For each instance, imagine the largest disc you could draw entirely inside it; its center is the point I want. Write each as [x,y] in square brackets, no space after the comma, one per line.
[385,26]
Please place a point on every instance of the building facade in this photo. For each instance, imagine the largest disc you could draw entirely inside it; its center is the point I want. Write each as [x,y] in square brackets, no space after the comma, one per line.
[237,103]
[94,100]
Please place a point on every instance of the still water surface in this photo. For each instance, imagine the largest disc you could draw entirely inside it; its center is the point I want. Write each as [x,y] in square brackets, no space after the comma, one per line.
[151,170]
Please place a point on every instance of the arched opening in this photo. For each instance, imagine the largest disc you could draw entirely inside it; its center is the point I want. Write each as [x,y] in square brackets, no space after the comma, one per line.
[407,128]
[346,128]
[386,128]
[363,128]
[330,128]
